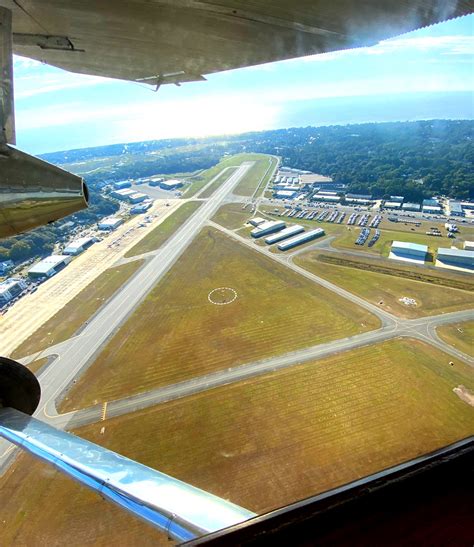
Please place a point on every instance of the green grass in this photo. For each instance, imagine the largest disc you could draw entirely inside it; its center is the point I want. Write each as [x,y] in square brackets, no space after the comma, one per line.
[459,335]
[165,230]
[256,176]
[73,315]
[232,216]
[220,180]
[178,334]
[386,290]
[262,443]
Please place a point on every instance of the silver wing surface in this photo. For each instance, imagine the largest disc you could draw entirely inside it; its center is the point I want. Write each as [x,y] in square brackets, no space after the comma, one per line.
[174,41]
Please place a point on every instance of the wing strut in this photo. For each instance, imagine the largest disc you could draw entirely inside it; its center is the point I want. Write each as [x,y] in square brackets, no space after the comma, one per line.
[178,509]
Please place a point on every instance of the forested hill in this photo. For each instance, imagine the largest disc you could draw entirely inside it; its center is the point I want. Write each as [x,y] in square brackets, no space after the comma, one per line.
[416,159]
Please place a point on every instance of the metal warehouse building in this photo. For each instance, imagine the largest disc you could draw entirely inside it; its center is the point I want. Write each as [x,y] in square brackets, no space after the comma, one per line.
[300,239]
[78,246]
[122,184]
[10,288]
[285,194]
[110,223]
[403,249]
[456,257]
[171,184]
[49,266]
[267,228]
[284,234]
[256,221]
[123,194]
[455,209]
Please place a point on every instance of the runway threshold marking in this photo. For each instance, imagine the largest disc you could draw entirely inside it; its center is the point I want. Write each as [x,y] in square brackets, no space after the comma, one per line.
[104,411]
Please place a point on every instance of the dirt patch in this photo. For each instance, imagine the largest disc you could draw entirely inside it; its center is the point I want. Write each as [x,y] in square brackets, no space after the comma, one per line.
[464,394]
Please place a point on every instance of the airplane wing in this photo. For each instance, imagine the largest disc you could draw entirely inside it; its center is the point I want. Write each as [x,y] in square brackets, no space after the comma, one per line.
[174,41]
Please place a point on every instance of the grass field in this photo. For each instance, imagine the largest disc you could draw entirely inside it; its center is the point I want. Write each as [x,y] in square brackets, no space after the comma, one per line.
[165,230]
[232,216]
[261,443]
[179,334]
[257,176]
[386,290]
[36,365]
[459,335]
[220,180]
[73,315]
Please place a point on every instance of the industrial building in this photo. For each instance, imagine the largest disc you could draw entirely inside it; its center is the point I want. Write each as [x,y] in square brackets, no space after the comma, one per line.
[300,239]
[284,234]
[78,246]
[11,288]
[286,194]
[171,184]
[455,209]
[268,227]
[49,266]
[256,221]
[110,223]
[397,199]
[456,257]
[411,207]
[410,252]
[137,197]
[122,184]
[155,181]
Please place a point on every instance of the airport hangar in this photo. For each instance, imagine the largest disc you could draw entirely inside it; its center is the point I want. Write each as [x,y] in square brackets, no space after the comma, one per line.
[456,257]
[49,266]
[412,251]
[78,246]
[11,288]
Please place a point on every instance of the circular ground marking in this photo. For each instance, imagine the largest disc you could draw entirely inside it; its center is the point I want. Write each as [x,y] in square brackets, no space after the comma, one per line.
[222,296]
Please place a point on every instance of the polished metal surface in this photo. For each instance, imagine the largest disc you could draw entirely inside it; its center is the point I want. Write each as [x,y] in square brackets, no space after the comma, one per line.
[182,511]
[7,116]
[34,192]
[168,41]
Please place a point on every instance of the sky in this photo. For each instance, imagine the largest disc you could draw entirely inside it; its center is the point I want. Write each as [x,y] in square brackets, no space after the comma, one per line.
[421,75]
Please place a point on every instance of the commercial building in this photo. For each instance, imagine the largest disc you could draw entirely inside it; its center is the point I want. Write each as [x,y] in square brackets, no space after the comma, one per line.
[469,245]
[411,207]
[285,194]
[268,227]
[397,199]
[110,223]
[300,239]
[430,203]
[256,221]
[171,184]
[455,209]
[455,257]
[10,288]
[49,266]
[410,252]
[122,184]
[78,246]
[284,234]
